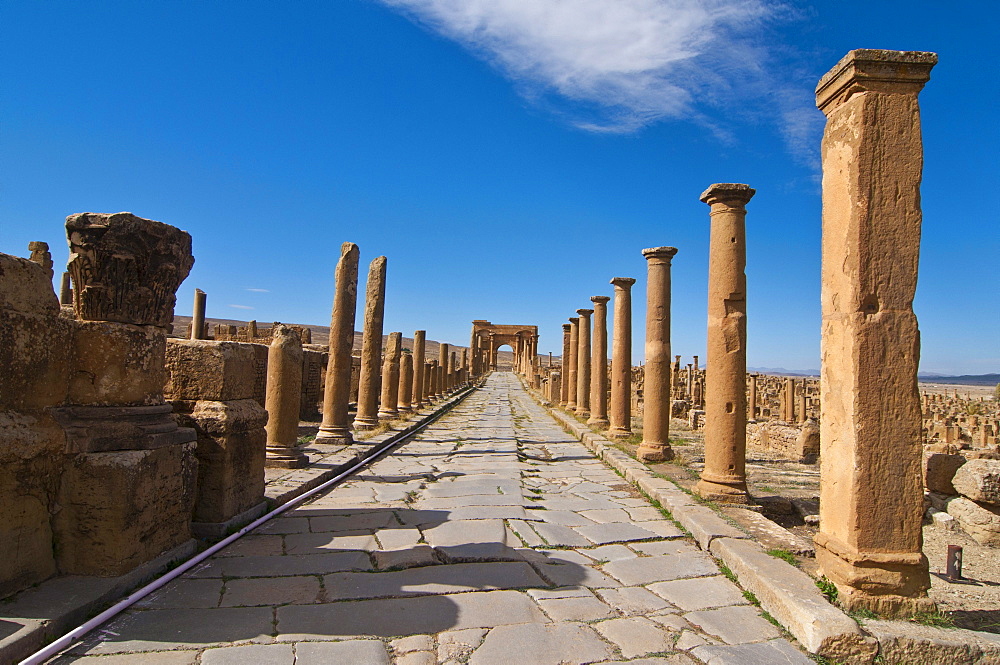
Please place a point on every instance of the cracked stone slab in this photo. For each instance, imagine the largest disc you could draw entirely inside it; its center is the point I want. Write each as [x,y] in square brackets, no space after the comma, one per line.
[635,636]
[541,644]
[774,652]
[249,654]
[734,625]
[644,570]
[615,532]
[700,594]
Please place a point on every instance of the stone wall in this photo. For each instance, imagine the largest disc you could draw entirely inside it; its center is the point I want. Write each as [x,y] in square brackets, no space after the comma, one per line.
[776,440]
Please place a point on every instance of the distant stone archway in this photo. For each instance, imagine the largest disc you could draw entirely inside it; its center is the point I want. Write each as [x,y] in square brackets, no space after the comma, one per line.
[487,338]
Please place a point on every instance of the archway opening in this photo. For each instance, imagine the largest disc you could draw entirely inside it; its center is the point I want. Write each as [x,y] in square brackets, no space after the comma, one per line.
[505,358]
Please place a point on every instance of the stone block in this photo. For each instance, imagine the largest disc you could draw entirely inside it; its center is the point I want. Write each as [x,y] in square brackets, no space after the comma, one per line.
[939,470]
[979,480]
[121,509]
[212,371]
[907,642]
[982,522]
[35,352]
[230,452]
[117,364]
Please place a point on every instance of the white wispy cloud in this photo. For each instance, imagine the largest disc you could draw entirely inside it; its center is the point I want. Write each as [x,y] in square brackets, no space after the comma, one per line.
[260,290]
[619,65]
[242,306]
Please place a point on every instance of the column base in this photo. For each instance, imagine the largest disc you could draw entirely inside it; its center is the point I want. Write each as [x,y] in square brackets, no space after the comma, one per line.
[388,415]
[618,433]
[599,421]
[406,409]
[365,424]
[723,489]
[893,585]
[654,452]
[285,458]
[334,436]
[570,406]
[582,412]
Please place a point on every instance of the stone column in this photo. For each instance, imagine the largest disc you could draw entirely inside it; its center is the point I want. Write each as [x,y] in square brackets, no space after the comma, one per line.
[724,475]
[419,351]
[871,494]
[571,374]
[389,402]
[564,366]
[284,390]
[442,386]
[371,347]
[406,383]
[198,315]
[583,363]
[66,290]
[803,412]
[621,360]
[599,364]
[655,446]
[752,391]
[430,378]
[336,425]
[788,401]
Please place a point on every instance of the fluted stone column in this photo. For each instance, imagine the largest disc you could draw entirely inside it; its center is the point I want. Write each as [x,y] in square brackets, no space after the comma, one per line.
[389,402]
[419,352]
[583,363]
[406,383]
[282,397]
[371,347]
[724,475]
[198,315]
[655,446]
[571,374]
[564,366]
[621,360]
[871,490]
[599,364]
[336,425]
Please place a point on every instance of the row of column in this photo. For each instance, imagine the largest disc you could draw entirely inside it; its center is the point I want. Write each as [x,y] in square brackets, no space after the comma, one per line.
[391,382]
[870,542]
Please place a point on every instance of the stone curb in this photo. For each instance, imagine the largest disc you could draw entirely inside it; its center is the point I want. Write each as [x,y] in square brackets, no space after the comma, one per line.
[784,591]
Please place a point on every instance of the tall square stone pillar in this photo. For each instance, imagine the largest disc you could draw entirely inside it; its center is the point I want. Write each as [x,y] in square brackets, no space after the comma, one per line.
[871,494]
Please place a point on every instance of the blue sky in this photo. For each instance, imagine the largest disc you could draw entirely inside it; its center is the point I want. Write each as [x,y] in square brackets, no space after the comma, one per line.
[508,156]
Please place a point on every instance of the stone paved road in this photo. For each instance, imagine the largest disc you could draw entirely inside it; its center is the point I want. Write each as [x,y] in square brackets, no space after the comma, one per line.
[491,538]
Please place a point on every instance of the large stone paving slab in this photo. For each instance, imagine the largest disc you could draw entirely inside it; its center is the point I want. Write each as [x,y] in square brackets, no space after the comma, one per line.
[491,537]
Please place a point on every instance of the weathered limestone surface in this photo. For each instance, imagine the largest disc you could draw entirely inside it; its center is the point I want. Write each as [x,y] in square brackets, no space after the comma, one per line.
[126,268]
[95,476]
[724,476]
[871,507]
[371,346]
[438,571]
[284,380]
[389,403]
[336,425]
[655,446]
[583,363]
[599,364]
[620,418]
[979,480]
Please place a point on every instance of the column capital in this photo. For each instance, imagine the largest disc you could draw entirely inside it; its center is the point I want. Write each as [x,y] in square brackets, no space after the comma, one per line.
[600,299]
[732,193]
[567,327]
[623,282]
[584,313]
[876,70]
[574,319]
[666,253]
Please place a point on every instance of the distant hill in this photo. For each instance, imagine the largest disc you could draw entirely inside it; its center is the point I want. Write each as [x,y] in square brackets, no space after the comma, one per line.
[963,380]
[781,371]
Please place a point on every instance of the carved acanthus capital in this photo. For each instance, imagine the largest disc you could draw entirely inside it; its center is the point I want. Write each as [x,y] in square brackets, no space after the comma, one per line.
[126,268]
